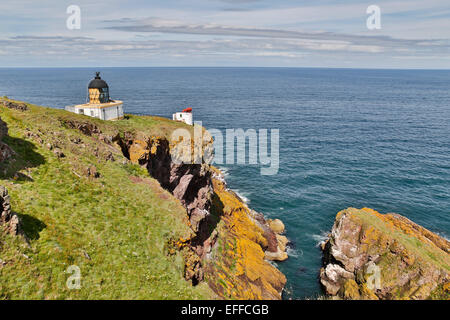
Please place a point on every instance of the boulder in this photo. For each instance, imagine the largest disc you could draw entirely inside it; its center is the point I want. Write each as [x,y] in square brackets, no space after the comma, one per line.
[5,151]
[276,225]
[282,242]
[58,152]
[8,219]
[91,171]
[276,256]
[13,105]
[86,127]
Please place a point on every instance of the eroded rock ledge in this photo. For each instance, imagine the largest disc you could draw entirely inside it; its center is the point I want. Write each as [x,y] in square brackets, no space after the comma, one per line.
[9,220]
[5,151]
[384,256]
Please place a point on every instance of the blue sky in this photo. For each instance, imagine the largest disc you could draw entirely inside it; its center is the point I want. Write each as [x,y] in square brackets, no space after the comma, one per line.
[286,33]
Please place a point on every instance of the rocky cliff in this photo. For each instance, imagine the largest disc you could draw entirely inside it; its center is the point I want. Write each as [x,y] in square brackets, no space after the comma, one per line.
[384,256]
[110,198]
[231,244]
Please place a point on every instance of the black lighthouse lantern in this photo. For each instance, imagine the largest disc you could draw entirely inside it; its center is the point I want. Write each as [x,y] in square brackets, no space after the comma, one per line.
[98,90]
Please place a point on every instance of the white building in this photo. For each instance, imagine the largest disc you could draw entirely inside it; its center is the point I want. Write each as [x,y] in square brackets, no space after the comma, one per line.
[100,105]
[184,116]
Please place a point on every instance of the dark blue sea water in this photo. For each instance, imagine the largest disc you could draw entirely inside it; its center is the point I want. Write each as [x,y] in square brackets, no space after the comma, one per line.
[375,138]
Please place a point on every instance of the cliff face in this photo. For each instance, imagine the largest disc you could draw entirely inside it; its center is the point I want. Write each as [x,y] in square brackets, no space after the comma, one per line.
[231,244]
[384,256]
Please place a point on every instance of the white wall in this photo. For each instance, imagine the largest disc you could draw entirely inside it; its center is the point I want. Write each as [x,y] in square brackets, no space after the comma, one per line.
[110,113]
[185,117]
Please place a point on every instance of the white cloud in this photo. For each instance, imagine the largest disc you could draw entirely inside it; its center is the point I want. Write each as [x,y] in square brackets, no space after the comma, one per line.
[242,31]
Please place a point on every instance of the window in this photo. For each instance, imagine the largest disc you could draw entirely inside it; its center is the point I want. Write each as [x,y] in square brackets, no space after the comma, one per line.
[92,113]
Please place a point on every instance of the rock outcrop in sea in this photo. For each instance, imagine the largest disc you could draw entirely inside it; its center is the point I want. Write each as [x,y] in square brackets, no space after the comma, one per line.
[384,256]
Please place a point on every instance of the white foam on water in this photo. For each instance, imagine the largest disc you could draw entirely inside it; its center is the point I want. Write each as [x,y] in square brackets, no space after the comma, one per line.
[443,235]
[320,238]
[273,263]
[296,253]
[242,195]
[225,171]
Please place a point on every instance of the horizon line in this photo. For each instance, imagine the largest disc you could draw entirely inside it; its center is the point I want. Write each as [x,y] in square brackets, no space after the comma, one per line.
[224,67]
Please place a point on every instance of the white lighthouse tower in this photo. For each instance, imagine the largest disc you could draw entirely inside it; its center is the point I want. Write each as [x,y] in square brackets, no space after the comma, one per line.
[184,116]
[100,105]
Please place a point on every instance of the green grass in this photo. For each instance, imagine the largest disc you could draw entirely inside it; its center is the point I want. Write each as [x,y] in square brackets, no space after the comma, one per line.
[113,228]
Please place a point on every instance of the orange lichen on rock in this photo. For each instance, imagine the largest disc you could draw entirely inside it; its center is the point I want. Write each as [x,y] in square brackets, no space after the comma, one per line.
[447,286]
[350,290]
[249,275]
[138,151]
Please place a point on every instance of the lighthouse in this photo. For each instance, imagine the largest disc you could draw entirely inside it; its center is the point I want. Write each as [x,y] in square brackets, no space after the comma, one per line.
[184,116]
[100,105]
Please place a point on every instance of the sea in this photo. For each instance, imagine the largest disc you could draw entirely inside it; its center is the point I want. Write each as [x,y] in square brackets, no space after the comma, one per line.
[347,138]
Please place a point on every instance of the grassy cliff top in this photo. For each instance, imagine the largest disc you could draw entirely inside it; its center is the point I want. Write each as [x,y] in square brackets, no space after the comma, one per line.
[82,203]
[150,125]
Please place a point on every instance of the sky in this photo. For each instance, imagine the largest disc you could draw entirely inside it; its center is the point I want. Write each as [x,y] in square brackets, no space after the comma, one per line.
[243,33]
